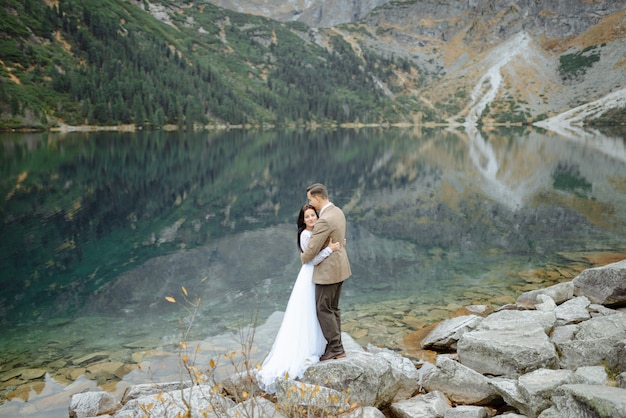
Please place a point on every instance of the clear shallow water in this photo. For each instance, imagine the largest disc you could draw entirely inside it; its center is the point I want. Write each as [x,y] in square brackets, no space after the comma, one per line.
[98,228]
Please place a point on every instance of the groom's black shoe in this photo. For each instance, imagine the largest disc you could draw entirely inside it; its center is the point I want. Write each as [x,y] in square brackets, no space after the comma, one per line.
[332,356]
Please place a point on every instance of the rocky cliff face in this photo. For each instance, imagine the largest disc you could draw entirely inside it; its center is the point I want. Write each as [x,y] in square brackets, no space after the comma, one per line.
[491,60]
[315,13]
[485,18]
[525,45]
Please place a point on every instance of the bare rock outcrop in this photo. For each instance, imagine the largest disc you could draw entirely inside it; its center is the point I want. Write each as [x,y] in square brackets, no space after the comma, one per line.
[604,285]
[556,359]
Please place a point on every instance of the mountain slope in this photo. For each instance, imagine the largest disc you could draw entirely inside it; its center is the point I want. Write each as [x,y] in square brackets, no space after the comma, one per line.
[110,62]
[576,51]
[574,54]
[194,65]
[315,13]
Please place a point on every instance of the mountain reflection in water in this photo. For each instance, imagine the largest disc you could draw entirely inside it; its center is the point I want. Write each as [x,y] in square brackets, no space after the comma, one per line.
[98,228]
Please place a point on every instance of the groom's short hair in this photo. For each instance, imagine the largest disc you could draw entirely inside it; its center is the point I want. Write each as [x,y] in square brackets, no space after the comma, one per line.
[318,189]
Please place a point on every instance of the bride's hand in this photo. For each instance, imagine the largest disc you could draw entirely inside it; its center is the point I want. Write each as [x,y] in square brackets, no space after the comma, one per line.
[334,245]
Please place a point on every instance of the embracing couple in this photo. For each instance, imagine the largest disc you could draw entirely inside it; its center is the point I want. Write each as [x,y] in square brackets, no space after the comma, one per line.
[311,327]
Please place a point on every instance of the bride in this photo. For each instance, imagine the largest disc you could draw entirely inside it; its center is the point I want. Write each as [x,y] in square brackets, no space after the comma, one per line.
[299,342]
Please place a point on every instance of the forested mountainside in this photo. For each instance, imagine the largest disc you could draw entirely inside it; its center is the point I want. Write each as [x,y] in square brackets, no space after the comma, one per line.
[197,65]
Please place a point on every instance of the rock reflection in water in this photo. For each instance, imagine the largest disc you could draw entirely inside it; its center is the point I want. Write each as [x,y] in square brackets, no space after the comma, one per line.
[437,221]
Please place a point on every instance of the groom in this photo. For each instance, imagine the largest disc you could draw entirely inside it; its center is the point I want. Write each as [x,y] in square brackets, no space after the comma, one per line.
[329,275]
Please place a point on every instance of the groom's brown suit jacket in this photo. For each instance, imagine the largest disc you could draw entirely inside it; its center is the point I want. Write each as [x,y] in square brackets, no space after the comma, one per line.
[336,267]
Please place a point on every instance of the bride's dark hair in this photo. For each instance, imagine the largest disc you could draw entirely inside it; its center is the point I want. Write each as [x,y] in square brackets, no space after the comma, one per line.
[301,224]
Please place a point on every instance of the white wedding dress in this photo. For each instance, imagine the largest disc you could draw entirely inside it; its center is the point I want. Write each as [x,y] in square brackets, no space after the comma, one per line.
[299,342]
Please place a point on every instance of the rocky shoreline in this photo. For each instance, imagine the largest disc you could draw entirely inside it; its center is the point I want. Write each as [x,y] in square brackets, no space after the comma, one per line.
[559,351]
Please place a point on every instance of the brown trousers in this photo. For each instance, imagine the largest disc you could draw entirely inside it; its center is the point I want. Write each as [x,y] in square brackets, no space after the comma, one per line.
[329,315]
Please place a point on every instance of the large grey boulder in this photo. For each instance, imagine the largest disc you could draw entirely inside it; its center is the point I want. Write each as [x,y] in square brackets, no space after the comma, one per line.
[509,343]
[446,334]
[507,352]
[431,405]
[509,391]
[559,293]
[587,401]
[573,311]
[605,285]
[255,407]
[510,320]
[592,375]
[617,360]
[593,341]
[403,370]
[242,385]
[91,404]
[200,399]
[364,412]
[293,396]
[562,333]
[370,379]
[536,388]
[468,411]
[545,303]
[601,310]
[461,384]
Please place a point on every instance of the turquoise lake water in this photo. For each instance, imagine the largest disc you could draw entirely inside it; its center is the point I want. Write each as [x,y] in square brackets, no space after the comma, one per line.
[98,229]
